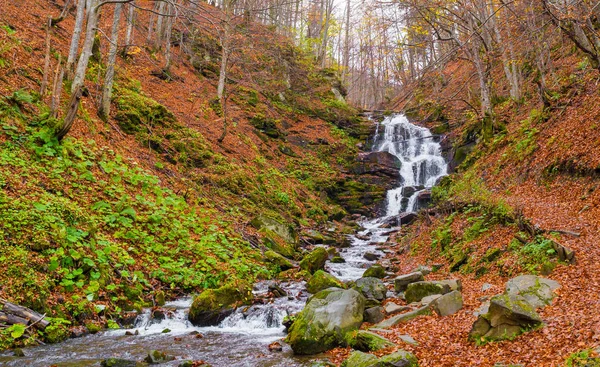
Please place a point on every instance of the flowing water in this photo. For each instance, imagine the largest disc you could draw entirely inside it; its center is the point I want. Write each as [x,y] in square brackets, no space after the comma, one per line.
[242,338]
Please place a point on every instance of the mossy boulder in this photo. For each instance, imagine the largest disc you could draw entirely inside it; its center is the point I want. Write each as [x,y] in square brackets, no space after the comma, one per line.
[375,271]
[509,315]
[399,358]
[371,288]
[326,319]
[538,291]
[279,237]
[158,357]
[360,359]
[322,280]
[367,341]
[118,362]
[135,111]
[213,305]
[315,260]
[276,259]
[419,290]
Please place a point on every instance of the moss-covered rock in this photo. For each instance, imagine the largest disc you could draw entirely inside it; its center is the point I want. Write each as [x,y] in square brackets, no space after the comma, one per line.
[158,357]
[360,359]
[338,260]
[276,259]
[117,362]
[213,305]
[419,290]
[399,358]
[375,271]
[371,288]
[323,324]
[322,280]
[367,341]
[315,260]
[135,112]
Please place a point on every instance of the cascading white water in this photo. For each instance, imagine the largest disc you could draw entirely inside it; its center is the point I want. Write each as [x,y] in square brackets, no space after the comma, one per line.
[421,159]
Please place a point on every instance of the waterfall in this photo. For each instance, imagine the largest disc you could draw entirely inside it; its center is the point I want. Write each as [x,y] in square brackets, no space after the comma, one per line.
[421,160]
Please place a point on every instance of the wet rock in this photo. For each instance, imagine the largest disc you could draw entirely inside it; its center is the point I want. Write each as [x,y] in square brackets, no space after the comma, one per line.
[371,256]
[288,321]
[322,280]
[401,282]
[315,260]
[406,219]
[79,331]
[315,237]
[405,317]
[392,308]
[128,318]
[371,288]
[419,290]
[18,352]
[409,191]
[509,315]
[362,237]
[326,319]
[272,257]
[375,271]
[158,357]
[117,362]
[423,199]
[213,305]
[337,260]
[276,290]
[366,341]
[275,347]
[447,304]
[538,291]
[373,315]
[379,164]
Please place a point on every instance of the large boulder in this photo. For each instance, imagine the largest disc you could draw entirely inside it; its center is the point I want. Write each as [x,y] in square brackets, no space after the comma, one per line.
[419,290]
[375,271]
[315,260]
[374,315]
[322,280]
[401,282]
[367,341]
[539,292]
[360,359]
[214,305]
[509,315]
[404,317]
[378,164]
[371,288]
[279,237]
[326,319]
[447,304]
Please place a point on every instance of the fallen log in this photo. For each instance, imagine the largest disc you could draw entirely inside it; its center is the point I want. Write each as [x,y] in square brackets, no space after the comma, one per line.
[22,315]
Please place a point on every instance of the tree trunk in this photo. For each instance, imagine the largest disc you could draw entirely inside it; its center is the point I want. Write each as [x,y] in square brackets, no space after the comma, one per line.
[71,113]
[44,85]
[86,52]
[76,35]
[104,110]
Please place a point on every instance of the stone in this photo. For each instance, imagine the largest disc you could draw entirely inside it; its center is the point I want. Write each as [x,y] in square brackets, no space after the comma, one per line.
[325,320]
[322,280]
[405,317]
[273,257]
[419,290]
[275,347]
[400,358]
[486,286]
[454,284]
[392,308]
[214,305]
[285,231]
[371,256]
[366,341]
[373,315]
[18,352]
[509,315]
[423,199]
[158,357]
[406,219]
[425,270]
[371,288]
[447,304]
[275,289]
[378,164]
[408,339]
[427,300]
[539,292]
[338,260]
[117,362]
[402,282]
[315,260]
[372,302]
[375,271]
[360,359]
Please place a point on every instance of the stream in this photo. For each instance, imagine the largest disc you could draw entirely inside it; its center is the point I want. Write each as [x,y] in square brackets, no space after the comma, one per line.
[242,338]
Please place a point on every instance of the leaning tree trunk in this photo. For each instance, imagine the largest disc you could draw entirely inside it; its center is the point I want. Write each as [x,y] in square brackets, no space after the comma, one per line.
[88,43]
[104,110]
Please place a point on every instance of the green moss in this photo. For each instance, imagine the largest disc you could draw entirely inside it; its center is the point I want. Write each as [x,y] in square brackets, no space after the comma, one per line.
[279,261]
[322,280]
[136,112]
[315,260]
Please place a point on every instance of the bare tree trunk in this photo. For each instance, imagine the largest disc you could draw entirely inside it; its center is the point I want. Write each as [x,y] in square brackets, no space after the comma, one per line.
[130,25]
[71,113]
[44,85]
[57,88]
[104,110]
[76,35]
[86,52]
